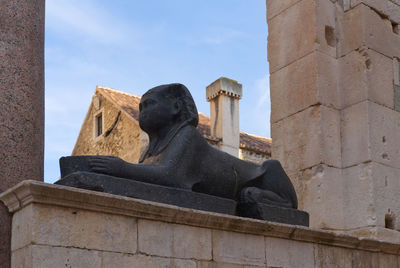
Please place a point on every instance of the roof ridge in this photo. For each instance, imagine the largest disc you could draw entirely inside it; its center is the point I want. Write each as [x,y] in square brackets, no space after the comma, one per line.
[255,135]
[117,91]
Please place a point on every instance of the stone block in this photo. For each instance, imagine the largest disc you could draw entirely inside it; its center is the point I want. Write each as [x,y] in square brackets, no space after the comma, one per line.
[287,254]
[326,33]
[275,7]
[387,260]
[371,191]
[321,195]
[213,264]
[370,134]
[366,75]
[307,138]
[380,233]
[379,5]
[396,70]
[397,2]
[393,11]
[364,259]
[22,258]
[326,256]
[68,227]
[309,81]
[36,256]
[304,27]
[22,225]
[386,8]
[238,248]
[172,240]
[397,98]
[140,261]
[364,27]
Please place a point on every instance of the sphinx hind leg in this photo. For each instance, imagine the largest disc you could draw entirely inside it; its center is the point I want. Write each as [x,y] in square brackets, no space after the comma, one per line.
[253,195]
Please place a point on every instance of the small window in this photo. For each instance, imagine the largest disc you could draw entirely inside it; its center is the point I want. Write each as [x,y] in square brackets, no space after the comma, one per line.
[98,125]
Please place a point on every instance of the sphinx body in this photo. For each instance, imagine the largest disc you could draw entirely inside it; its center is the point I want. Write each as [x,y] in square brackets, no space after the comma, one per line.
[179,156]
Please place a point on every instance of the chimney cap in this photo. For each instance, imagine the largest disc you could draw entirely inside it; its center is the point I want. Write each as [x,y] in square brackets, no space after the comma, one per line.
[224,86]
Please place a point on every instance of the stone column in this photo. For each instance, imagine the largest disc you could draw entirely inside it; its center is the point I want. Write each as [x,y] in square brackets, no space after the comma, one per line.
[21,100]
[223,95]
[334,123]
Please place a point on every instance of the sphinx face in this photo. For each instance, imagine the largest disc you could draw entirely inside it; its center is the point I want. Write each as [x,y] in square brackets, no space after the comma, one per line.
[155,112]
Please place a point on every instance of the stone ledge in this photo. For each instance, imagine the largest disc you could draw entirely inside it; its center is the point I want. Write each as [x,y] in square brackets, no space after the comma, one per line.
[28,192]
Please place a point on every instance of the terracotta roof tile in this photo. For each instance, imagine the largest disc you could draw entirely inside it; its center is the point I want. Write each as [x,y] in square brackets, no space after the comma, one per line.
[130,104]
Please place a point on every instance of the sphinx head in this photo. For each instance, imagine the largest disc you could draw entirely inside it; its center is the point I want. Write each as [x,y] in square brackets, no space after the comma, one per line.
[165,106]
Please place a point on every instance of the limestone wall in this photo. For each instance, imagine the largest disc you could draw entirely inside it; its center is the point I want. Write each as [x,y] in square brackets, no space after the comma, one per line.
[335,117]
[125,139]
[57,226]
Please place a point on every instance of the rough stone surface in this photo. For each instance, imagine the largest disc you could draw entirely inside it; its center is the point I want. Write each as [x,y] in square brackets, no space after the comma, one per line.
[382,233]
[36,256]
[315,186]
[286,253]
[326,256]
[309,81]
[366,75]
[311,136]
[151,192]
[304,27]
[213,264]
[368,200]
[176,241]
[396,70]
[362,259]
[5,236]
[21,99]
[48,225]
[170,231]
[50,257]
[387,8]
[21,91]
[339,147]
[380,135]
[289,40]
[141,261]
[238,248]
[275,7]
[362,26]
[397,98]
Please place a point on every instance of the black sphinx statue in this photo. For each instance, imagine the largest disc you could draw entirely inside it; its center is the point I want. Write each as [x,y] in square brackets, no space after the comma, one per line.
[179,167]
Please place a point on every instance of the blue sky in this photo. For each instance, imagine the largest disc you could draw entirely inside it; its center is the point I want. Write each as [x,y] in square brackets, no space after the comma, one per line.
[133,45]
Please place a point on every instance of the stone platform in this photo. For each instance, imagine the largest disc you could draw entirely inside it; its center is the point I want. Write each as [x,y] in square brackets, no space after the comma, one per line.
[179,197]
[59,226]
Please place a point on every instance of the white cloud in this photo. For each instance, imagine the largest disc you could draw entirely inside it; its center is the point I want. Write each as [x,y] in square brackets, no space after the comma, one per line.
[216,36]
[262,87]
[83,18]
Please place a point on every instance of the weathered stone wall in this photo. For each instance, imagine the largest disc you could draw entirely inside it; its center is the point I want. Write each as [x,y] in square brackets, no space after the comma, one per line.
[335,125]
[121,136]
[56,226]
[252,156]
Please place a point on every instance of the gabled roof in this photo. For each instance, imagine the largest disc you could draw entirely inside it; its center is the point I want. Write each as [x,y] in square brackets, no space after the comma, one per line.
[130,104]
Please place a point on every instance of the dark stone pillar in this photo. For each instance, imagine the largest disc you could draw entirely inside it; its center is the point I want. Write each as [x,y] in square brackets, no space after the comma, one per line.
[21,101]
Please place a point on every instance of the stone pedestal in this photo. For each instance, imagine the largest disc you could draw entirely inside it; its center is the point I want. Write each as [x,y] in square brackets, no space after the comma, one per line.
[21,99]
[59,226]
[334,118]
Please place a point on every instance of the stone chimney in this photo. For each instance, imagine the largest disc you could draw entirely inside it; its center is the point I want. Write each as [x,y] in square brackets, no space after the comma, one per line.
[224,95]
